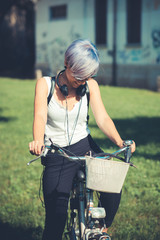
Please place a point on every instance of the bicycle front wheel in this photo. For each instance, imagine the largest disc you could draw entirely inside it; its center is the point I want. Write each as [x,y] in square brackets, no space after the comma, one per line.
[74,234]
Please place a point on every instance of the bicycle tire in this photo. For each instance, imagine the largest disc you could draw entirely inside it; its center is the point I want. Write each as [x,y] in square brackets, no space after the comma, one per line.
[73,234]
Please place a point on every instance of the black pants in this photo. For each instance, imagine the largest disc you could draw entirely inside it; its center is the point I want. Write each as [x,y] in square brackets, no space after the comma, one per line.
[57,183]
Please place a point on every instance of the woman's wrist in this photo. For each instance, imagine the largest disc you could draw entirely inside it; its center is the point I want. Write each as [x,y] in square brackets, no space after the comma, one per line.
[121,144]
[38,141]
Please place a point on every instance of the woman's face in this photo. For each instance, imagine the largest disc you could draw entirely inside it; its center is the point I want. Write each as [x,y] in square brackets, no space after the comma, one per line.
[72,80]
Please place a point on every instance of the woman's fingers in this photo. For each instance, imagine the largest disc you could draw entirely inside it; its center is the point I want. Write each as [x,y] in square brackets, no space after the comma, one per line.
[35,147]
[133,147]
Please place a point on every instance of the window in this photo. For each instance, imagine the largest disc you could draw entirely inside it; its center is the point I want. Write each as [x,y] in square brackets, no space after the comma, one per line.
[101,21]
[133,21]
[58,12]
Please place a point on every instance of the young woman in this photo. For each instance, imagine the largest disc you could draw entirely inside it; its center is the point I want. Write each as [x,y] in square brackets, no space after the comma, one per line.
[64,120]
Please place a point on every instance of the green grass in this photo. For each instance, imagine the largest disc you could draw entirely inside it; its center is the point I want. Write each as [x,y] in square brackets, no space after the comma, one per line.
[136,114]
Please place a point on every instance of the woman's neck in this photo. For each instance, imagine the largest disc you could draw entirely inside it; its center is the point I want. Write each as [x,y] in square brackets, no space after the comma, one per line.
[64,80]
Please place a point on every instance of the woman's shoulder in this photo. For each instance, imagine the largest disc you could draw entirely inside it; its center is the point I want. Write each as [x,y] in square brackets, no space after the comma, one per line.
[92,84]
[44,80]
[42,84]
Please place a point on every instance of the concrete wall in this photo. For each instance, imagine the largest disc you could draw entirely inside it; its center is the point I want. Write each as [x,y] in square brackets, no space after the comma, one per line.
[137,66]
[53,37]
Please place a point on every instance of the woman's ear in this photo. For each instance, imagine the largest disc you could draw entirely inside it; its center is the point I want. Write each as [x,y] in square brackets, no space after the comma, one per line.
[65,64]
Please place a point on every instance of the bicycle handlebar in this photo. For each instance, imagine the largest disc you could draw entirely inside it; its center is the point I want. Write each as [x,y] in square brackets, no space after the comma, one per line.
[55,147]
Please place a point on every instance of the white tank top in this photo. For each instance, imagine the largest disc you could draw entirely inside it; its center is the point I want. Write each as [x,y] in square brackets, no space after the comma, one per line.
[66,127]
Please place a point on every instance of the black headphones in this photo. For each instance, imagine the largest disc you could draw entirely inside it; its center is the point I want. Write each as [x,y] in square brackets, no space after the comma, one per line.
[80,91]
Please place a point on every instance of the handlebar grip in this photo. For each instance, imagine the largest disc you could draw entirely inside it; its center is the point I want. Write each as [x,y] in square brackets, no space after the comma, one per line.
[128,154]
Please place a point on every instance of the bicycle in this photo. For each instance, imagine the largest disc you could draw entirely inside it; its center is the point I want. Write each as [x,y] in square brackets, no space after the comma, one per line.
[86,222]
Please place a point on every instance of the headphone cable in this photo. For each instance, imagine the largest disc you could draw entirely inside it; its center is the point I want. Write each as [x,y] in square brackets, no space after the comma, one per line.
[75,122]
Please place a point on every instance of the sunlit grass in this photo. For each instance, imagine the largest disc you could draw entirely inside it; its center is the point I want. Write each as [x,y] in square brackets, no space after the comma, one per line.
[136,114]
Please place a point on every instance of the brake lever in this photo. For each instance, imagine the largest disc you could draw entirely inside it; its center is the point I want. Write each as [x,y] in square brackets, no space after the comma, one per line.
[54,145]
[57,148]
[43,154]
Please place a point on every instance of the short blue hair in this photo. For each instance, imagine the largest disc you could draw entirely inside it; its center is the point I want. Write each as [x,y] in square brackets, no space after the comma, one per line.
[82,58]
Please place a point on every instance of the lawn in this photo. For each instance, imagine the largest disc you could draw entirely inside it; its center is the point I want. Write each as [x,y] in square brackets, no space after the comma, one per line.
[136,114]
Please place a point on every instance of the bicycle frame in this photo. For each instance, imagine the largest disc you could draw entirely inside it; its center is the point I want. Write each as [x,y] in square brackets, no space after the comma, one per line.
[87,225]
[88,219]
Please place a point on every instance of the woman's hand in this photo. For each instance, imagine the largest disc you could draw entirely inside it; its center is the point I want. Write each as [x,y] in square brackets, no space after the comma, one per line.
[36,147]
[133,146]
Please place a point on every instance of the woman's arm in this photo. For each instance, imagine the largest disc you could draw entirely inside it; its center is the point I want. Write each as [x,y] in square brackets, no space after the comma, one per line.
[102,118]
[40,117]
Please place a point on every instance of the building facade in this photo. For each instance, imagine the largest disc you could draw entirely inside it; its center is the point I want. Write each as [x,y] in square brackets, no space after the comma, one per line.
[126,33]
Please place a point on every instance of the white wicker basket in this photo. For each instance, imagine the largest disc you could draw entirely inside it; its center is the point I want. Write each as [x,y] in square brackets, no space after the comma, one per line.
[105,175]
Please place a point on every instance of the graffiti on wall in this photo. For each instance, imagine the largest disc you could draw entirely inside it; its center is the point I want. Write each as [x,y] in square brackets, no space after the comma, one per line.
[134,55]
[73,34]
[50,54]
[156,43]
[156,38]
[142,54]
